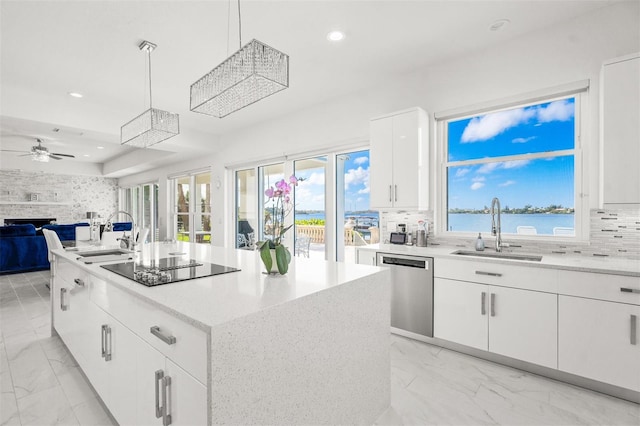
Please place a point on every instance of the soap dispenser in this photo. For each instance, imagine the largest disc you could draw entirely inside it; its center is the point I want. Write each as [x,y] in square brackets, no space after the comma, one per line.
[479,243]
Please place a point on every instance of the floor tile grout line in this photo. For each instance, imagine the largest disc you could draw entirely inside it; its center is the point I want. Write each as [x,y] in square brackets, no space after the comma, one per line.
[39,342]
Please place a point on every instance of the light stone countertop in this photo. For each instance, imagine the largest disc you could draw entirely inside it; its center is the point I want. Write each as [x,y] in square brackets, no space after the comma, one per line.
[210,301]
[601,265]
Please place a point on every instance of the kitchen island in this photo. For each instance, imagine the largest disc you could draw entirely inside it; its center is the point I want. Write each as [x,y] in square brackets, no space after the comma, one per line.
[310,347]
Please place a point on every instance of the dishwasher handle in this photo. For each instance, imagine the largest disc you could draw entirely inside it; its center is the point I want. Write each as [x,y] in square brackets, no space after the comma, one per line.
[407,262]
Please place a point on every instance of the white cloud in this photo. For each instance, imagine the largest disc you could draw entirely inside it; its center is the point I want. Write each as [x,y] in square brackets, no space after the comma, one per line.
[477,185]
[516,164]
[355,177]
[365,190]
[556,111]
[490,125]
[462,172]
[490,167]
[314,179]
[361,160]
[479,179]
[487,126]
[508,183]
[523,140]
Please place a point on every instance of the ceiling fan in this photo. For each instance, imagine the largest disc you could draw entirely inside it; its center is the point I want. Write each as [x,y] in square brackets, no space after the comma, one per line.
[41,153]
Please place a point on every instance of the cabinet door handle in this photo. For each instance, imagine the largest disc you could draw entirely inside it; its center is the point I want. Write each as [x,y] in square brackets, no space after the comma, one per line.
[395,192]
[79,282]
[629,290]
[634,330]
[159,375]
[106,342]
[491,274]
[493,304]
[169,340]
[103,334]
[166,396]
[390,196]
[63,291]
[483,303]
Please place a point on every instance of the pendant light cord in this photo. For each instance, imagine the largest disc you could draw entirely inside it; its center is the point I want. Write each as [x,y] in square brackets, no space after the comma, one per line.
[149,52]
[239,25]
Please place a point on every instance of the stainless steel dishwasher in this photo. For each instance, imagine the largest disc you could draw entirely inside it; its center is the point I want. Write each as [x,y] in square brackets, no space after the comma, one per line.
[411,292]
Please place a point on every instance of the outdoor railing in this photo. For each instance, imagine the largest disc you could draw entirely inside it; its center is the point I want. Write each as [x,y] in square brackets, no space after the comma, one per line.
[351,236]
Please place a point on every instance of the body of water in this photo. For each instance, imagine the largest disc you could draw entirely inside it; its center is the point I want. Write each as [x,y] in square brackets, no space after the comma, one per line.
[363,219]
[543,223]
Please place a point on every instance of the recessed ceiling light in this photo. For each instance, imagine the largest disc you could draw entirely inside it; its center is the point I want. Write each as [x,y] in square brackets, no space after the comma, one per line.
[335,35]
[86,155]
[75,94]
[499,24]
[100,147]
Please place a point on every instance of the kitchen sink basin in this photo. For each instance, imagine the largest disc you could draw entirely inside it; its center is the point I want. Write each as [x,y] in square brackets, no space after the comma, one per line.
[499,255]
[107,255]
[106,252]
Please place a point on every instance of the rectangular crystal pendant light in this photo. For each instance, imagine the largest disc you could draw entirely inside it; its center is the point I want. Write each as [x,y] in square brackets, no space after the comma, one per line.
[254,72]
[152,126]
[149,128]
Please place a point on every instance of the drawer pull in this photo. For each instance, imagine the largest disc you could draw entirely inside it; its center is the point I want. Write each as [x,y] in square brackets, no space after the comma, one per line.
[629,290]
[483,303]
[491,274]
[493,304]
[169,340]
[634,330]
[79,282]
[159,375]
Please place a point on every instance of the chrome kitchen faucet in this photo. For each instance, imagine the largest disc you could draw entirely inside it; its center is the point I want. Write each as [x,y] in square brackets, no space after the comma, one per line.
[495,230]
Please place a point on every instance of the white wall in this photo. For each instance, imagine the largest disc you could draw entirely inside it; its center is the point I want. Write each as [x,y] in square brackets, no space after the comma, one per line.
[564,53]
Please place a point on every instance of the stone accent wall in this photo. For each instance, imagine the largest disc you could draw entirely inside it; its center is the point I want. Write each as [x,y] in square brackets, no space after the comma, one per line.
[613,232]
[66,197]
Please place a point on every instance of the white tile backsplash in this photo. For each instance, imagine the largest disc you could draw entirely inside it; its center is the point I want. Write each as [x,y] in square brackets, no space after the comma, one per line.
[613,232]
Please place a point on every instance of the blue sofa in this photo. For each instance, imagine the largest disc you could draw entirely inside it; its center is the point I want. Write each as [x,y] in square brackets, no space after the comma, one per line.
[22,249]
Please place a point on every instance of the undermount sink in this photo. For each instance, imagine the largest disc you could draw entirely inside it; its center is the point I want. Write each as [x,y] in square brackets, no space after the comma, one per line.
[106,252]
[499,255]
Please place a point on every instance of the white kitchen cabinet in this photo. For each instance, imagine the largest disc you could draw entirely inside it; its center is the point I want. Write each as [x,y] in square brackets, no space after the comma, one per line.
[399,158]
[119,363]
[460,312]
[186,398]
[600,340]
[365,257]
[517,323]
[620,130]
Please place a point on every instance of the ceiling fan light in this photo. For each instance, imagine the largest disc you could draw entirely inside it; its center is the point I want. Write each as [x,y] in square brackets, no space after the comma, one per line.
[42,156]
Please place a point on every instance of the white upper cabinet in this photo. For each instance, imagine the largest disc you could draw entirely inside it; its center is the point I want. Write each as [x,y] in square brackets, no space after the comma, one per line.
[399,159]
[620,131]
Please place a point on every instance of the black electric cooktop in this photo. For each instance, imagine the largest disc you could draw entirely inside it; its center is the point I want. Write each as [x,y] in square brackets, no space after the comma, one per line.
[167,270]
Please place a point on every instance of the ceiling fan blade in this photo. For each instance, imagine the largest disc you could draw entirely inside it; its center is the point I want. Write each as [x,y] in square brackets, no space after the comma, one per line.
[55,157]
[12,150]
[63,155]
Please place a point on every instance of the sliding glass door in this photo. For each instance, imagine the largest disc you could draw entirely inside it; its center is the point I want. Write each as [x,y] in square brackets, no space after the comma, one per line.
[310,215]
[192,207]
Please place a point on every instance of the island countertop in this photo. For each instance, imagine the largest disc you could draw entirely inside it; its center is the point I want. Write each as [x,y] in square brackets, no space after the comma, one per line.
[580,263]
[207,302]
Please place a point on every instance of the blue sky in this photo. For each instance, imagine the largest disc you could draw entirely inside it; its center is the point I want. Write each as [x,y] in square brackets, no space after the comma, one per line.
[310,193]
[540,182]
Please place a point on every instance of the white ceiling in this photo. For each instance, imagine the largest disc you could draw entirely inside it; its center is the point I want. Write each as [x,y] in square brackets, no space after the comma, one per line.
[53,47]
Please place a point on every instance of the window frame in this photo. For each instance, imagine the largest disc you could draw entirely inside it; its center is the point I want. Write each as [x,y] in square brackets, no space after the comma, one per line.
[578,91]
[172,184]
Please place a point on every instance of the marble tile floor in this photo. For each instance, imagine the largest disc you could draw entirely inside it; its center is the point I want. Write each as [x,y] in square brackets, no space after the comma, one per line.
[42,385]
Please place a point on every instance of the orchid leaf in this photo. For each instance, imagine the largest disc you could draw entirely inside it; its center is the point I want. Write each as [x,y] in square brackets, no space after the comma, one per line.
[281,259]
[265,255]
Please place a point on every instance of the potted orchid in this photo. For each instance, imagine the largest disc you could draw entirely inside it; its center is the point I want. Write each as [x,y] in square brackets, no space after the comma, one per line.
[274,255]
